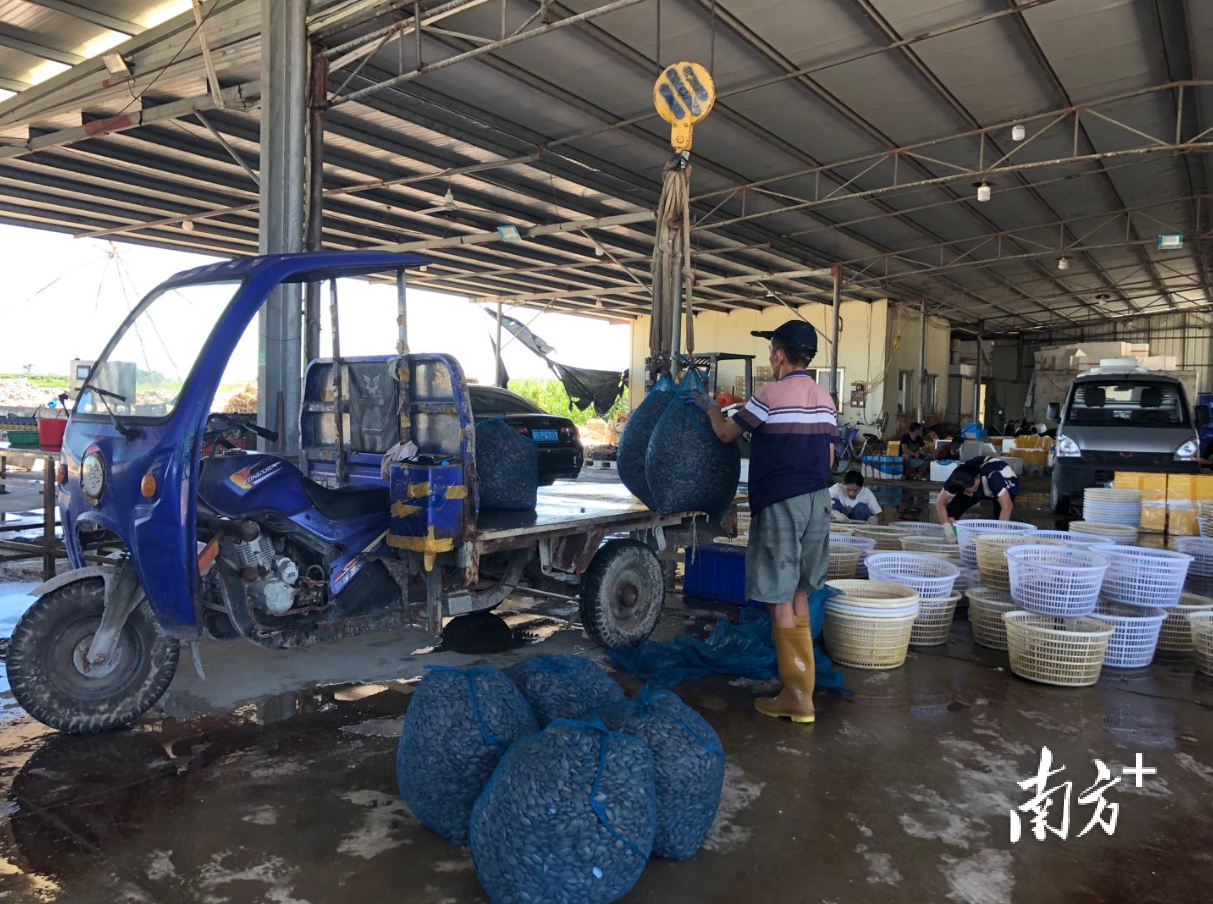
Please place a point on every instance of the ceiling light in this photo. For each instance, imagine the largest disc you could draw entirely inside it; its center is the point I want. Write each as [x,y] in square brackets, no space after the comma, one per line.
[116,65]
[1170,241]
[509,233]
[1063,263]
[448,200]
[187,225]
[599,251]
[1019,131]
[984,191]
[1102,296]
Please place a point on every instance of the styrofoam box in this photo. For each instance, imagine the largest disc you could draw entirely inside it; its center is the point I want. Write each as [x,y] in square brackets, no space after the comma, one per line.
[941,470]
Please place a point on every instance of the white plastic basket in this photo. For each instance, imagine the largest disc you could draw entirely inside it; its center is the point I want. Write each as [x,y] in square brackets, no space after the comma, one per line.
[885,537]
[968,556]
[1134,634]
[921,528]
[1055,580]
[969,528]
[934,621]
[1112,506]
[843,562]
[1176,633]
[1202,640]
[992,555]
[840,530]
[863,544]
[1064,651]
[1106,533]
[932,577]
[1204,518]
[930,546]
[1143,576]
[1201,551]
[986,609]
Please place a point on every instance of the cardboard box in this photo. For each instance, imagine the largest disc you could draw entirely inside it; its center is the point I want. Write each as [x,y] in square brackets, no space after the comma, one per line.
[1182,523]
[1204,488]
[1154,517]
[1153,488]
[1181,488]
[1160,362]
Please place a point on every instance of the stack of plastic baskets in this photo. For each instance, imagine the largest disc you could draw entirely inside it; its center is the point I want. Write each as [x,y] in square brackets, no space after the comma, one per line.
[1176,633]
[927,546]
[885,537]
[1204,517]
[986,609]
[921,529]
[864,544]
[837,529]
[1063,651]
[1112,506]
[934,621]
[1105,533]
[1200,572]
[1134,634]
[1143,576]
[1202,640]
[932,578]
[992,555]
[968,530]
[1056,580]
[843,562]
[869,625]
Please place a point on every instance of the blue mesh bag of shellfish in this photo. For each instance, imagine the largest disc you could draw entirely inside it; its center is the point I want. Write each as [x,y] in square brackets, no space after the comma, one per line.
[687,467]
[507,464]
[688,761]
[634,444]
[459,724]
[568,817]
[563,687]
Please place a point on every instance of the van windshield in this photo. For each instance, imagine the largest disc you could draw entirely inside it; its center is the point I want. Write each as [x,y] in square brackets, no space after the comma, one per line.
[155,352]
[1127,402]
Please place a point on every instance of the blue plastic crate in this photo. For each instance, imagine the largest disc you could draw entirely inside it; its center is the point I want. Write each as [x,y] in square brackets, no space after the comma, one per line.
[717,573]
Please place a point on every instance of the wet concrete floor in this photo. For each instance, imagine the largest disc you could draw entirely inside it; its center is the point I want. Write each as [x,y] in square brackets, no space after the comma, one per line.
[273,781]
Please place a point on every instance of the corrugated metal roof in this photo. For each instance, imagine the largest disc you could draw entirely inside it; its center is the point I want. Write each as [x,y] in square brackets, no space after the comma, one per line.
[848,132]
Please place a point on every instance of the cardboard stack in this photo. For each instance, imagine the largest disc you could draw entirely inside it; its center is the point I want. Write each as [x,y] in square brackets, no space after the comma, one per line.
[1169,502]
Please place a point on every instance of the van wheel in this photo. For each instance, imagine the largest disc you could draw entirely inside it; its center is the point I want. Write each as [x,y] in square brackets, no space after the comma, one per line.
[49,676]
[622,593]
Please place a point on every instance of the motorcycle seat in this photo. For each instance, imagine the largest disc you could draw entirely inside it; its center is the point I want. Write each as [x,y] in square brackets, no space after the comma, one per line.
[347,503]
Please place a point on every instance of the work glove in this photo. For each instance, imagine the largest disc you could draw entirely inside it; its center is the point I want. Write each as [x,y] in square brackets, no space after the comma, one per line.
[873,520]
[839,517]
[700,400]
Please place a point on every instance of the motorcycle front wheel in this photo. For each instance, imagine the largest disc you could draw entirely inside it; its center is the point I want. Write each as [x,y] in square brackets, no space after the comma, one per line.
[51,679]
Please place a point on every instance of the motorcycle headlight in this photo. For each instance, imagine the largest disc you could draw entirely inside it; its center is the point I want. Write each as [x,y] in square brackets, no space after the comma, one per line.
[92,476]
[1066,447]
[1188,451]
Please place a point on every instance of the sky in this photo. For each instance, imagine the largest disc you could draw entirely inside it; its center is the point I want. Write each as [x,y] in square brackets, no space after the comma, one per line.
[63,298]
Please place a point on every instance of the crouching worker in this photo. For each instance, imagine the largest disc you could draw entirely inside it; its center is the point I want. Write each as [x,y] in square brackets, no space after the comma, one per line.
[854,502]
[792,422]
[973,481]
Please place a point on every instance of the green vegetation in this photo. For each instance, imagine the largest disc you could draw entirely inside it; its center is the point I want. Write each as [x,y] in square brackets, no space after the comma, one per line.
[551,396]
[51,381]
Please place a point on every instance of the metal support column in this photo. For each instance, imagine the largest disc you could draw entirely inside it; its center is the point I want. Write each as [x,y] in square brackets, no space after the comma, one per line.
[977,381]
[500,381]
[283,125]
[338,388]
[402,313]
[922,358]
[317,101]
[836,329]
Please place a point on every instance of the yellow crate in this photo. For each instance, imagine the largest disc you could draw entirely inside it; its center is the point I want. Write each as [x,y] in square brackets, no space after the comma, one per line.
[1181,488]
[1127,480]
[1154,517]
[1153,488]
[1204,488]
[894,447]
[1182,523]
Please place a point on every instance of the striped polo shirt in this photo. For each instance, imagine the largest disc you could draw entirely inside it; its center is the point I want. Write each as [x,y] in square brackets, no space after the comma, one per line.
[793,424]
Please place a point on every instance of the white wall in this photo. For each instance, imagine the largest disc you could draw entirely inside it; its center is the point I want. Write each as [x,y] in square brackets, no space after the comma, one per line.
[904,332]
[861,356]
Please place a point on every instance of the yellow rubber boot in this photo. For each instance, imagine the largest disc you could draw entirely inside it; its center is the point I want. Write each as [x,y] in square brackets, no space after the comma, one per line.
[802,621]
[794,651]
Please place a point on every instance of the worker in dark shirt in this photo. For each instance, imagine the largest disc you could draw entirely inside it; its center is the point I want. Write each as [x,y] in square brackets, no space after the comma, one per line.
[915,460]
[792,423]
[975,480]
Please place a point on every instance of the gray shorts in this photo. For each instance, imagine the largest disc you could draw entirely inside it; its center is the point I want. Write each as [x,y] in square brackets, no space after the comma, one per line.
[789,548]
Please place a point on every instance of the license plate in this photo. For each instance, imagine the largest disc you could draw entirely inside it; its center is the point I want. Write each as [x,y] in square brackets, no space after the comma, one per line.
[544,436]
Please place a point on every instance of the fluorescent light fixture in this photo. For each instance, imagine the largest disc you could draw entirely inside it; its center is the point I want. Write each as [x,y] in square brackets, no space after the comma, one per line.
[509,233]
[1170,241]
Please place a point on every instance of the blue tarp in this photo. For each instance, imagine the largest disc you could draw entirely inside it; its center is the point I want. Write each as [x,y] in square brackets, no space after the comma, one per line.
[743,649]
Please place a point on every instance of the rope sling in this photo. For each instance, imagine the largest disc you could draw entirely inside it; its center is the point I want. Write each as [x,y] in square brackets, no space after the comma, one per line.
[673,277]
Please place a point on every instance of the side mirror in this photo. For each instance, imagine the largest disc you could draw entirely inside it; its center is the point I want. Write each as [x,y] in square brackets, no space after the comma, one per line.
[1053,412]
[1202,415]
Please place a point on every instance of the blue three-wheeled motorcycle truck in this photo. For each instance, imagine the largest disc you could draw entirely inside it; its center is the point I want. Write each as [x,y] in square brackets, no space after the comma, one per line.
[361,532]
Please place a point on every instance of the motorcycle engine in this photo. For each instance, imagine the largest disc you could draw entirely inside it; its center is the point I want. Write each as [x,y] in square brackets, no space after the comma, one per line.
[275,587]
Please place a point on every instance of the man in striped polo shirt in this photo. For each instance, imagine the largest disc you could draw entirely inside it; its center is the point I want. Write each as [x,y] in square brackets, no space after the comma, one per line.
[792,423]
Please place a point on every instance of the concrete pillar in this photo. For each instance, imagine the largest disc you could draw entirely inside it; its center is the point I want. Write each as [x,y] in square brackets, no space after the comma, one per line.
[836,329]
[283,139]
[922,358]
[977,381]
